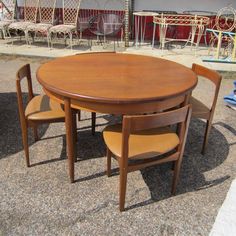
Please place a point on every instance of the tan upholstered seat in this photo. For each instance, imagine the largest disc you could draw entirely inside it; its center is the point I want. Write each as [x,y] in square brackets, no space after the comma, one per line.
[142,144]
[43,108]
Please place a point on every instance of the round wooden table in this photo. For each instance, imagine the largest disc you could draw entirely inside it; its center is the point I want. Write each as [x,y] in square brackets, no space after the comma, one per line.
[115,84]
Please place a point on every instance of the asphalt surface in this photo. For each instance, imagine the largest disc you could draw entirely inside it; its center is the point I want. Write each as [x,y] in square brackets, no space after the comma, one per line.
[40,200]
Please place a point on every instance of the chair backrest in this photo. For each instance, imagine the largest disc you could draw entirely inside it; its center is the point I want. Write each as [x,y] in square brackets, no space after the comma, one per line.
[212,76]
[106,24]
[88,9]
[23,73]
[46,11]
[31,10]
[180,117]
[8,9]
[71,11]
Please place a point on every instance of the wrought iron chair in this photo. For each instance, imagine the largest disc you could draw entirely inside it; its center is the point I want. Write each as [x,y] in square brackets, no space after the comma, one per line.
[146,140]
[70,19]
[46,19]
[109,23]
[8,13]
[30,16]
[88,9]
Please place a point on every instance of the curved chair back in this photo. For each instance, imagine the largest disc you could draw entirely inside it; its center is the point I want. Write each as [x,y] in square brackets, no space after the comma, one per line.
[212,76]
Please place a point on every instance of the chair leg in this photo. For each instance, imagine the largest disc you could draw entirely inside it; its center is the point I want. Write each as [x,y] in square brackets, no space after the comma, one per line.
[79,115]
[123,183]
[74,128]
[25,144]
[176,176]
[206,136]
[93,122]
[108,162]
[36,137]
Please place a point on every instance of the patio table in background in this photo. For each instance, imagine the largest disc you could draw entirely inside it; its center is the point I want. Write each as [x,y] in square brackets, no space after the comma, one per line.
[140,19]
[114,84]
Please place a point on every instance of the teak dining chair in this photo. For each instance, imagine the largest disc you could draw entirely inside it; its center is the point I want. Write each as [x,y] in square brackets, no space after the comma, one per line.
[40,109]
[200,110]
[146,140]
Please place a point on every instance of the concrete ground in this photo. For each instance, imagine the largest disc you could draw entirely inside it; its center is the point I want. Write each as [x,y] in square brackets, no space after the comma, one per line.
[40,200]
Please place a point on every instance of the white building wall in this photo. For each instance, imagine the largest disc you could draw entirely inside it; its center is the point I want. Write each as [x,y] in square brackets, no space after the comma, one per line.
[183,5]
[162,5]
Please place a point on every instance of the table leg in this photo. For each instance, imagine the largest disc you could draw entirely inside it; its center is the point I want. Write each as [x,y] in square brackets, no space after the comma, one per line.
[69,138]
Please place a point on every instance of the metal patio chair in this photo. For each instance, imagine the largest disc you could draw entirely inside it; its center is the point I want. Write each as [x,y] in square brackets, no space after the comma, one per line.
[70,19]
[88,9]
[30,16]
[46,19]
[109,23]
[8,14]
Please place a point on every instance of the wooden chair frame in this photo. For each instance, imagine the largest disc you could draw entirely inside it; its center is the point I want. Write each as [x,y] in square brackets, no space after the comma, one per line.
[25,73]
[215,78]
[132,124]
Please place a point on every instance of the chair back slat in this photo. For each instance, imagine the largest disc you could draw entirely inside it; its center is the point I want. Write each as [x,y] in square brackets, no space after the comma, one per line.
[209,74]
[46,11]
[23,73]
[71,11]
[8,9]
[31,10]
[144,122]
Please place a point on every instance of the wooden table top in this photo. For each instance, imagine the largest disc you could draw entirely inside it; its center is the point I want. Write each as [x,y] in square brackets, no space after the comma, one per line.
[115,78]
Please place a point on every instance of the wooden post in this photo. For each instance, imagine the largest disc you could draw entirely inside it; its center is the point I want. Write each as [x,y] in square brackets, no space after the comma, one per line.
[127,23]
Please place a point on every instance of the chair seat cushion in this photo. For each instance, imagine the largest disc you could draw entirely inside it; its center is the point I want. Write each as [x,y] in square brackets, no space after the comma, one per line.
[143,144]
[20,25]
[200,110]
[41,107]
[40,27]
[5,23]
[62,28]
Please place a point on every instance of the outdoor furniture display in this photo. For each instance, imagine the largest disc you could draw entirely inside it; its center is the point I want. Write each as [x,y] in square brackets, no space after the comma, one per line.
[146,140]
[197,24]
[30,16]
[70,19]
[7,16]
[40,109]
[46,19]
[114,83]
[201,110]
[140,19]
[88,9]
[224,30]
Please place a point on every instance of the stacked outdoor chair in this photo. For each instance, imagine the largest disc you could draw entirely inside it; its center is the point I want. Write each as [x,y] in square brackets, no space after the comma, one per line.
[70,18]
[30,16]
[8,13]
[46,19]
